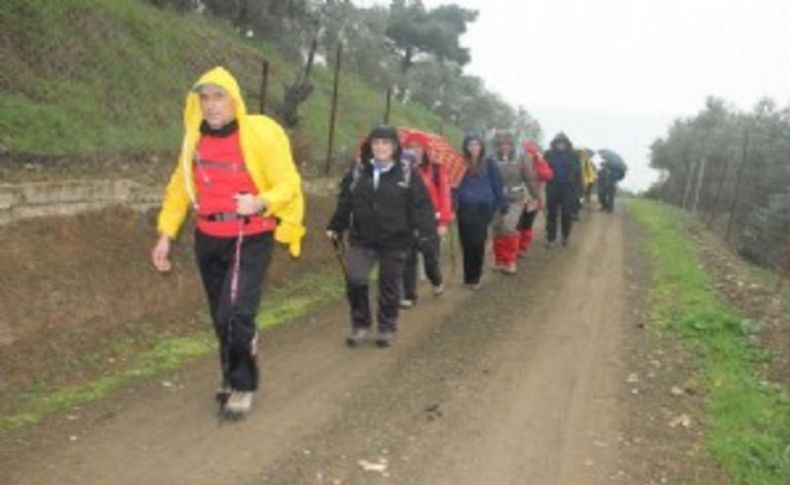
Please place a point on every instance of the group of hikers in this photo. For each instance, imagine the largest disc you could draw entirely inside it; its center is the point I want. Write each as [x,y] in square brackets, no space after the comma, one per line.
[395,204]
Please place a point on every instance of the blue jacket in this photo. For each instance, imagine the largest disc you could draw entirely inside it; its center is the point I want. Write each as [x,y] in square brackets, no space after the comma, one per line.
[483,188]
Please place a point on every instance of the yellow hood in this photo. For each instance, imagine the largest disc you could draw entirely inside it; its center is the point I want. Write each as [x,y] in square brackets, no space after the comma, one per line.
[267,156]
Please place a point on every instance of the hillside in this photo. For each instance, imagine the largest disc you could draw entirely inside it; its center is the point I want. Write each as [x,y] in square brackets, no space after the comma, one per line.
[104,78]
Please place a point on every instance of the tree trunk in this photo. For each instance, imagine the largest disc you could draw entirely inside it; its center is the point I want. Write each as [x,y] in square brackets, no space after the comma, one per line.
[299,91]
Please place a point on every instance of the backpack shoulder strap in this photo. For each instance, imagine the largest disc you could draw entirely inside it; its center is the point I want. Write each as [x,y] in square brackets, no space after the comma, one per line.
[406,167]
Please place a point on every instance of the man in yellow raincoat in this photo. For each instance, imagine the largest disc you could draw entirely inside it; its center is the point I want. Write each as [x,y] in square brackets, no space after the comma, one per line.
[236,172]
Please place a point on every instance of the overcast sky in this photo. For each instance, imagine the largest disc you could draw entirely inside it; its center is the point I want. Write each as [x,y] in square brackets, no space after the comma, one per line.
[615,73]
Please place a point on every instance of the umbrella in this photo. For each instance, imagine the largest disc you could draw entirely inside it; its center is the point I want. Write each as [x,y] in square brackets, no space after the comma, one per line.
[611,156]
[614,161]
[439,151]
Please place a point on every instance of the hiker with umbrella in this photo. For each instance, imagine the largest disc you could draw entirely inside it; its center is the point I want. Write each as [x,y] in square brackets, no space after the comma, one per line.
[383,205]
[236,171]
[436,179]
[613,170]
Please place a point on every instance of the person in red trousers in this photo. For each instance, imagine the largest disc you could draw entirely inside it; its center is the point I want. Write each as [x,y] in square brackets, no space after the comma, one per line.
[514,172]
[538,173]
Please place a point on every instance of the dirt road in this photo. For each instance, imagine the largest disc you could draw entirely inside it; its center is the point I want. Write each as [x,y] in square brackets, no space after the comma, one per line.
[514,384]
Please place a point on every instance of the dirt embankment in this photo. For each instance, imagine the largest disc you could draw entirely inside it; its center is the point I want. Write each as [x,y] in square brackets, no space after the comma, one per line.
[74,285]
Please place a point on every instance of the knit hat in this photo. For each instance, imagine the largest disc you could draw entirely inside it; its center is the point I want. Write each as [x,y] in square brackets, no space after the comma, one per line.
[385,132]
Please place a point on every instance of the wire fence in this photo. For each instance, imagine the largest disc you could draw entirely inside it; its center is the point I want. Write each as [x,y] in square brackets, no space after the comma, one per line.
[742,198]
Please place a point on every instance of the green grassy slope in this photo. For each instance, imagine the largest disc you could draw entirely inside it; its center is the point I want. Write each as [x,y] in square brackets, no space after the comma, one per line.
[86,77]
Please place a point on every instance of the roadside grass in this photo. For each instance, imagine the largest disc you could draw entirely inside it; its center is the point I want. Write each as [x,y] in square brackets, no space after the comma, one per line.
[748,418]
[165,353]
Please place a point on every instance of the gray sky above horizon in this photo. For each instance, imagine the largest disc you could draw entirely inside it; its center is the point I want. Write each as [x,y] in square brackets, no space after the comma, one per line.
[615,73]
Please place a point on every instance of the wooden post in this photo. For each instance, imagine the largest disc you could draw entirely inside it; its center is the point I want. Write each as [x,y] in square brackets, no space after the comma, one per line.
[738,184]
[689,181]
[388,106]
[714,210]
[700,179]
[784,268]
[264,86]
[333,110]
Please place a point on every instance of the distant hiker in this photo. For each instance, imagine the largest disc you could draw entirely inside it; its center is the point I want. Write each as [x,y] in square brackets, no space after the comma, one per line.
[477,198]
[437,182]
[236,172]
[384,205]
[563,190]
[515,172]
[538,173]
[589,175]
[613,170]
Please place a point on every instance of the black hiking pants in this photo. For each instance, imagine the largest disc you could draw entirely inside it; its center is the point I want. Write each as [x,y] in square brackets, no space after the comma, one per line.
[527,219]
[606,193]
[473,222]
[234,324]
[562,201]
[360,261]
[430,257]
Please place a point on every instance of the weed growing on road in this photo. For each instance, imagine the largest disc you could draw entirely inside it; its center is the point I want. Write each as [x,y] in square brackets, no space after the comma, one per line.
[748,417]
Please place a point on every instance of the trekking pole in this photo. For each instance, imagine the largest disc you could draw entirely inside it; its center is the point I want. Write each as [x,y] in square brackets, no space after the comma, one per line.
[453,263]
[340,253]
[223,396]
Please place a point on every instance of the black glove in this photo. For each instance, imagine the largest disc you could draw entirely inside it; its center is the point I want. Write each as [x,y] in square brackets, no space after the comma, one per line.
[427,244]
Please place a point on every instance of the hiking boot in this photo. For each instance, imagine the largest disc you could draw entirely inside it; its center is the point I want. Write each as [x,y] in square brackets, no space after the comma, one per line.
[549,244]
[385,339]
[473,286]
[222,394]
[510,269]
[356,337]
[565,242]
[438,290]
[239,403]
[407,304]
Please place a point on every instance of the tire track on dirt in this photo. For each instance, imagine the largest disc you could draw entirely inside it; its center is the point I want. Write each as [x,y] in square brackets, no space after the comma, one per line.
[511,384]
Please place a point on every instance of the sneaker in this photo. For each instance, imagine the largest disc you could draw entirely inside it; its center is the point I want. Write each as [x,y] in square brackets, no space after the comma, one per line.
[473,286]
[239,403]
[406,304]
[356,337]
[549,244]
[438,289]
[385,339]
[510,269]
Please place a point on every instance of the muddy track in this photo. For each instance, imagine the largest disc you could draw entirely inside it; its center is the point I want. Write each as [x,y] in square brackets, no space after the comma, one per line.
[516,383]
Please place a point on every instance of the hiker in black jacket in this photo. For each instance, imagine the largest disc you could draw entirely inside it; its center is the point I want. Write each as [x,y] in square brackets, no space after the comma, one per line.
[383,206]
[564,190]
